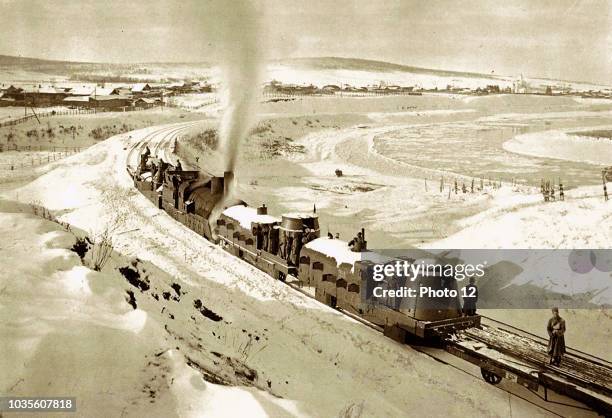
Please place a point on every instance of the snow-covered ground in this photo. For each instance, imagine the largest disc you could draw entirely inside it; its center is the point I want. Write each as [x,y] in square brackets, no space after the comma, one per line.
[288,354]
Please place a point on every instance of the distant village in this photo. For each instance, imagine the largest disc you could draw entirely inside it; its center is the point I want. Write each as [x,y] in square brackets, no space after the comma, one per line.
[118,97]
[143,95]
[519,86]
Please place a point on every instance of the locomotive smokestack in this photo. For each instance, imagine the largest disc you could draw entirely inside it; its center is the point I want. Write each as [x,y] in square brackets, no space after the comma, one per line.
[228,180]
[216,185]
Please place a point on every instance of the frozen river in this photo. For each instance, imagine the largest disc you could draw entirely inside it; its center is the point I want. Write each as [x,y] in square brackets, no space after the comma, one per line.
[475,148]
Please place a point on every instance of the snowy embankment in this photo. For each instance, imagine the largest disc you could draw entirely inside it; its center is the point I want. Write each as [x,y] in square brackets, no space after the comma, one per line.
[582,220]
[74,332]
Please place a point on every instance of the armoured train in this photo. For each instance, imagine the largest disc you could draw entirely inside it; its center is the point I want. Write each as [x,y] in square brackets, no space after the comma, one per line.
[291,248]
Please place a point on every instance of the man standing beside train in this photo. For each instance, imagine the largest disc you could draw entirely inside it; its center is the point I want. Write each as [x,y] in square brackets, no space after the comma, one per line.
[556,332]
[470,298]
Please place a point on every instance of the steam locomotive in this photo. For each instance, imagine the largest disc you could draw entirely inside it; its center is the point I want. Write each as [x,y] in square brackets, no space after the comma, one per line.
[291,248]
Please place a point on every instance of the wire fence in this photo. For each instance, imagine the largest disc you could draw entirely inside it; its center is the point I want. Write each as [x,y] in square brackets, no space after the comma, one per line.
[22,119]
[177,104]
[34,148]
[77,111]
[47,156]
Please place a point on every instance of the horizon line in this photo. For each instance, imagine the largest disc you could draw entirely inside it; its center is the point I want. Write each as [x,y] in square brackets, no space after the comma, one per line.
[277,60]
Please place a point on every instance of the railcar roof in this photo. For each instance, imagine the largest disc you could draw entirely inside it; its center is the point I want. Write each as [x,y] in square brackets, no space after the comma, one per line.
[246,215]
[341,252]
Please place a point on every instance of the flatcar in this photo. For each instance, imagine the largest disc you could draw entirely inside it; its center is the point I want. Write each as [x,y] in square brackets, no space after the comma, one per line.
[290,247]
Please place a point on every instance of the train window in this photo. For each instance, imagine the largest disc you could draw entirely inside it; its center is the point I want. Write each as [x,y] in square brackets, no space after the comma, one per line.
[353,288]
[220,221]
[341,283]
[249,241]
[317,266]
[230,225]
[236,235]
[304,260]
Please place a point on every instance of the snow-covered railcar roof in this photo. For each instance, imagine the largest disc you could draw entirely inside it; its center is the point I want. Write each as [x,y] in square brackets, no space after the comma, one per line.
[341,252]
[246,215]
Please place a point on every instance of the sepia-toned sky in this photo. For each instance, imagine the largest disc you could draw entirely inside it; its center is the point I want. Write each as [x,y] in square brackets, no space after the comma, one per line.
[567,39]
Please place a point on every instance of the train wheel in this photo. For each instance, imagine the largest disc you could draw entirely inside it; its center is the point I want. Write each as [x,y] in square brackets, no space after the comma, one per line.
[490,377]
[281,276]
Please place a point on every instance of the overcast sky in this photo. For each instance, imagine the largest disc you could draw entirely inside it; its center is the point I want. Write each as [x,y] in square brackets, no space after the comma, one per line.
[564,39]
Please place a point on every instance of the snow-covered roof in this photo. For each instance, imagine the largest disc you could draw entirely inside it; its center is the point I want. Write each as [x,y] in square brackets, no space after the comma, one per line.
[76,99]
[341,252]
[245,215]
[147,100]
[82,90]
[140,87]
[48,90]
[113,97]
[105,91]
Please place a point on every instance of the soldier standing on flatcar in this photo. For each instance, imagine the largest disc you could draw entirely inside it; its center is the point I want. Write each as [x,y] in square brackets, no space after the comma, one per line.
[556,332]
[273,241]
[175,191]
[288,247]
[265,230]
[282,244]
[296,247]
[470,298]
[153,173]
[159,178]
[356,243]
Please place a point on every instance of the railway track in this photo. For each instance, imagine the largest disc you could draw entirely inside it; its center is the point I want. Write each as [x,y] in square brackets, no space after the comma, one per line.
[595,375]
[438,355]
[514,351]
[157,140]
